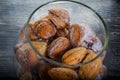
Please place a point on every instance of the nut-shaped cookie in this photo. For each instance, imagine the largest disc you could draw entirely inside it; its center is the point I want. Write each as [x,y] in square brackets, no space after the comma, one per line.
[89,39]
[57,47]
[62,32]
[74,56]
[44,28]
[26,57]
[60,17]
[31,33]
[89,36]
[40,46]
[91,70]
[75,34]
[60,73]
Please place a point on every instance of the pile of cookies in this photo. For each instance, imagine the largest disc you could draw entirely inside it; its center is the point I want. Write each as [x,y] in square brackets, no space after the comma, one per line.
[55,38]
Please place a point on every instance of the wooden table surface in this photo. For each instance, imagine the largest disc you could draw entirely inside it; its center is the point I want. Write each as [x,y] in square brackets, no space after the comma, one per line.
[14,13]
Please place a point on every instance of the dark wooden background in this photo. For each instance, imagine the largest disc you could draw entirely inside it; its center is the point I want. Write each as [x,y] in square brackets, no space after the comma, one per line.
[14,13]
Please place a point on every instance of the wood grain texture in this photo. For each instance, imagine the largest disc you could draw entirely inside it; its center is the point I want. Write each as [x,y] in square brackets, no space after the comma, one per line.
[14,13]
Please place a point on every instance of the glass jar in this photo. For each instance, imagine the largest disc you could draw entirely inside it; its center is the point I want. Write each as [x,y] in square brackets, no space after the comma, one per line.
[33,52]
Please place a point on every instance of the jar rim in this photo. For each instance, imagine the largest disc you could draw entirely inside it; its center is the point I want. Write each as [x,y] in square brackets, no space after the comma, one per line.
[59,63]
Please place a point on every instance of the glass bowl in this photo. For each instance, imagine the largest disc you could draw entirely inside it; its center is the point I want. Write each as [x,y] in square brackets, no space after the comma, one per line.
[79,13]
